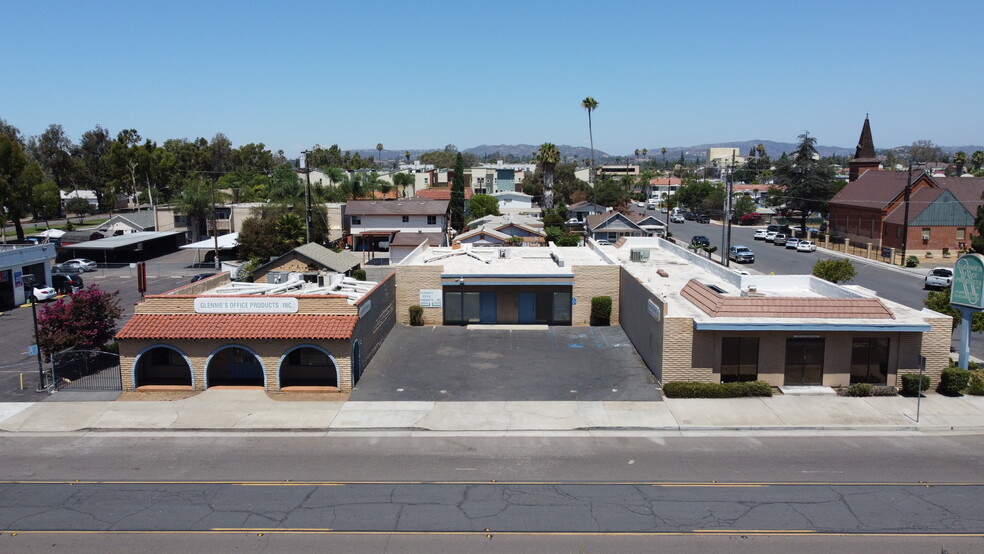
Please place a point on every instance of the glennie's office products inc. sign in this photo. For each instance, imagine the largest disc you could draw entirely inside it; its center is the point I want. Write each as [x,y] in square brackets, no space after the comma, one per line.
[245,305]
[967,288]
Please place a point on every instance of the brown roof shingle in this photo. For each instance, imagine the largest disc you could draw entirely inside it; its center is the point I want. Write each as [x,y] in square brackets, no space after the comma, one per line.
[238,326]
[716,304]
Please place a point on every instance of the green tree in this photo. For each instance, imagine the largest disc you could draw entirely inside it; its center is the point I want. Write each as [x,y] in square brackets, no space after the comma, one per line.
[743,206]
[481,205]
[939,301]
[87,322]
[14,195]
[458,194]
[196,202]
[608,192]
[47,200]
[547,158]
[977,158]
[693,193]
[402,181]
[925,151]
[79,207]
[591,105]
[960,159]
[835,271]
[806,183]
[54,152]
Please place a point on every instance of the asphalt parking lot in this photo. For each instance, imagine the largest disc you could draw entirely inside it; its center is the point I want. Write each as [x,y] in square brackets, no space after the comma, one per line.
[460,364]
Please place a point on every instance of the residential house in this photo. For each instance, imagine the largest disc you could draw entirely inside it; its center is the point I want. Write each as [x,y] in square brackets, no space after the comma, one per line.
[581,210]
[508,230]
[612,226]
[372,225]
[312,261]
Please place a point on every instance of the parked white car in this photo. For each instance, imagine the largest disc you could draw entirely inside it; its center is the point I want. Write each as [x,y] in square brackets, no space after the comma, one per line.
[792,242]
[43,294]
[770,236]
[939,278]
[806,246]
[677,218]
[760,234]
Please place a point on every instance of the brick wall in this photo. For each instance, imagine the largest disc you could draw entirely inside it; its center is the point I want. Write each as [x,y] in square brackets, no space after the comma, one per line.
[293,263]
[409,281]
[678,352]
[268,351]
[591,281]
[934,345]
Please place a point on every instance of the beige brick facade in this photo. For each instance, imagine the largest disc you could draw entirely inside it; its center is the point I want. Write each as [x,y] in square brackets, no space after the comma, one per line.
[934,345]
[591,281]
[678,352]
[409,281]
[269,353]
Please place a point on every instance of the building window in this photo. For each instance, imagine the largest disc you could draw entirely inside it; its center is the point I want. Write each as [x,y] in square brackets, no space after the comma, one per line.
[961,233]
[869,361]
[432,220]
[426,180]
[406,219]
[925,233]
[356,220]
[739,359]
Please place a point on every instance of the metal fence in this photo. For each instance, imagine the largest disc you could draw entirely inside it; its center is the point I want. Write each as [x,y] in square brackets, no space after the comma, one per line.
[86,370]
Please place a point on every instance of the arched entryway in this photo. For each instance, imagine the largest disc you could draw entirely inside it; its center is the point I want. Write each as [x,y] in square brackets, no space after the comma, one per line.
[162,365]
[307,366]
[356,360]
[234,366]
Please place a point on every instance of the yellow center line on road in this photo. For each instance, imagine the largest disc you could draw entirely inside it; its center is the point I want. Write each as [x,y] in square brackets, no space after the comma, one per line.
[288,483]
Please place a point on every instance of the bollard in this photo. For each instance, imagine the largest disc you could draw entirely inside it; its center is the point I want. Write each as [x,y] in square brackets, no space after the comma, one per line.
[22,381]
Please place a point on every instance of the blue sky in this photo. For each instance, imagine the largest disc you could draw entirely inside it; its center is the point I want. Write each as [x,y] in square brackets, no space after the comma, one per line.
[428,73]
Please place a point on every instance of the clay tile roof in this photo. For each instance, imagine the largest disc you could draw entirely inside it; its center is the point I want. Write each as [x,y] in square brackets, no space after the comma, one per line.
[716,304]
[238,326]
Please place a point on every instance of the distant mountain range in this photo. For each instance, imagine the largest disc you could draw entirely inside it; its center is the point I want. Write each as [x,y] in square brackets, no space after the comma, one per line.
[523,151]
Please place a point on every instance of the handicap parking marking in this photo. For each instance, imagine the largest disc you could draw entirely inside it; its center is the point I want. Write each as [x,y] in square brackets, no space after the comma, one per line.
[575,345]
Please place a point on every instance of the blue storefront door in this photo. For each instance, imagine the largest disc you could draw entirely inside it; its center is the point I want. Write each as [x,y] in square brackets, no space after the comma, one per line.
[527,307]
[488,300]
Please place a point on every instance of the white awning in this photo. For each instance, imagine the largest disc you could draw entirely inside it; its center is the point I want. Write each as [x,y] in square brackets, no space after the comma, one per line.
[226,242]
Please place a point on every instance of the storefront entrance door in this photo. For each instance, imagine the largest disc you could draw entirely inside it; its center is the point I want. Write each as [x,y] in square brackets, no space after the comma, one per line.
[804,361]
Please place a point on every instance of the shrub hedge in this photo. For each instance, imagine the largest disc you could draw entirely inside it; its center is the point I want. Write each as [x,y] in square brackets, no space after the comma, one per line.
[601,310]
[859,389]
[910,384]
[952,381]
[692,389]
[416,316]
[975,385]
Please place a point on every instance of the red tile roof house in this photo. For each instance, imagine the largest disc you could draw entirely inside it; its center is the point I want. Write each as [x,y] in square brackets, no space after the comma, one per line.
[941,212]
[277,337]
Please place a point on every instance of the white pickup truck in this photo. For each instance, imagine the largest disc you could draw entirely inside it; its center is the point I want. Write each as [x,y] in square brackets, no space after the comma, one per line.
[939,278]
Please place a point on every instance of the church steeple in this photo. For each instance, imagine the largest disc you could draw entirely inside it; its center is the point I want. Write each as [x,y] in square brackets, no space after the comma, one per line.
[865,158]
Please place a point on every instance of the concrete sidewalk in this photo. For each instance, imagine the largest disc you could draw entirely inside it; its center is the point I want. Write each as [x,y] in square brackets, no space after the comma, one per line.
[253,411]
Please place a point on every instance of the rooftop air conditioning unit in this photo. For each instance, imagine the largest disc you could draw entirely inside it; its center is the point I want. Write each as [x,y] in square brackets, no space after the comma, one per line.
[639,255]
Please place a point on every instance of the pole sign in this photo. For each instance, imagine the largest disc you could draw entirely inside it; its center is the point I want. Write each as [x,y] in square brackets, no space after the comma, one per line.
[967,288]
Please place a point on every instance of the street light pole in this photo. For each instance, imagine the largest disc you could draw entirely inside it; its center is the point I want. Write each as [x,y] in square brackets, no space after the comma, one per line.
[307,196]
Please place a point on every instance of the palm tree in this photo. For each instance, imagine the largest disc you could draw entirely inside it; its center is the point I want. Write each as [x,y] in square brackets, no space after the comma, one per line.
[407,154]
[960,158]
[196,202]
[403,180]
[548,157]
[379,148]
[977,158]
[664,157]
[591,105]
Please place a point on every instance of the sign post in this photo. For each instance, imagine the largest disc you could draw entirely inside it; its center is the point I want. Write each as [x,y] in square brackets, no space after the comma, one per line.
[967,295]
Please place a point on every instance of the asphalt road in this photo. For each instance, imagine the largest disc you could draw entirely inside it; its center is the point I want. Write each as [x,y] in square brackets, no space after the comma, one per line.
[811,493]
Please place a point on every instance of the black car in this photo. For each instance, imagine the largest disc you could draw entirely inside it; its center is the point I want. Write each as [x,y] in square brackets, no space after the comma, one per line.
[201,276]
[66,283]
[700,240]
[702,218]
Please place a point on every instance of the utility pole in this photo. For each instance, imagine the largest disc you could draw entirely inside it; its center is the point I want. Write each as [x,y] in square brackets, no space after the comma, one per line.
[307,198]
[905,217]
[726,228]
[215,231]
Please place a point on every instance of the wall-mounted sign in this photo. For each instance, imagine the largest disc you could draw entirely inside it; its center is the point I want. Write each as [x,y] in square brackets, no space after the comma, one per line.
[967,288]
[654,310]
[431,298]
[245,305]
[365,308]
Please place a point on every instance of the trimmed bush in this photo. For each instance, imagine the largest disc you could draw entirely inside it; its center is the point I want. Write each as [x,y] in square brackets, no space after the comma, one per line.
[912,261]
[859,389]
[883,390]
[952,381]
[359,274]
[601,311]
[975,386]
[416,316]
[692,389]
[910,384]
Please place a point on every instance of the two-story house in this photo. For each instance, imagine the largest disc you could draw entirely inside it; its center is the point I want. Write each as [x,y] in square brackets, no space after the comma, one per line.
[374,224]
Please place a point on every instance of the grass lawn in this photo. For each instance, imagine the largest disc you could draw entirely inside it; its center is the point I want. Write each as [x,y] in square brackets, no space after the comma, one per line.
[35,229]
